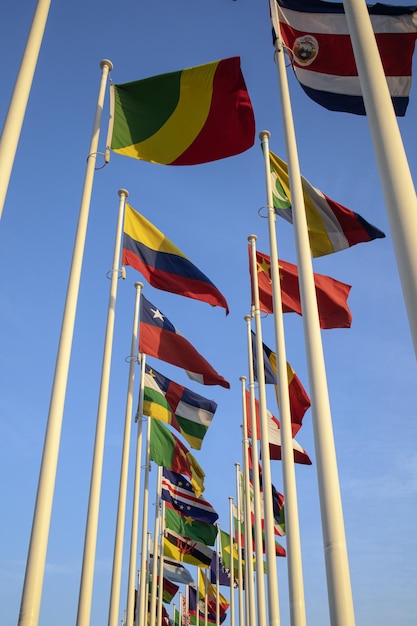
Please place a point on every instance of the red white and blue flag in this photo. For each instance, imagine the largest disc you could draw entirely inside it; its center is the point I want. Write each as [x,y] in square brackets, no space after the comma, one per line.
[317,35]
[178,491]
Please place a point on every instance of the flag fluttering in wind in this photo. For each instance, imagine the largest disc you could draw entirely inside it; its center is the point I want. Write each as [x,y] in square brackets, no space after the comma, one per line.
[176,490]
[274,435]
[279,549]
[187,550]
[169,589]
[191,116]
[189,527]
[197,610]
[163,265]
[168,451]
[331,226]
[159,338]
[174,571]
[331,294]
[186,411]
[224,572]
[206,589]
[317,35]
[299,400]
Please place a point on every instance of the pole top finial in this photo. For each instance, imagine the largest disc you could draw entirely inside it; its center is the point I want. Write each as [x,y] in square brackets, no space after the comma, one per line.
[138,285]
[242,378]
[105,62]
[247,318]
[123,192]
[264,133]
[252,238]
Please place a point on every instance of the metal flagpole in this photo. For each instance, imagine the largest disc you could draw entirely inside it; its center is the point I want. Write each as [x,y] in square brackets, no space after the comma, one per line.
[35,567]
[239,548]
[17,108]
[272,576]
[121,508]
[260,579]
[334,540]
[294,562]
[135,507]
[161,559]
[232,576]
[90,542]
[394,171]
[152,605]
[250,591]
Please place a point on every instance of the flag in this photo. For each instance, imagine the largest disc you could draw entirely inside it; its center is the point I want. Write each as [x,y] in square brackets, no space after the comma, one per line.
[198,606]
[169,589]
[189,527]
[279,549]
[331,294]
[191,116]
[299,400]
[163,264]
[174,571]
[159,338]
[180,494]
[186,550]
[274,435]
[277,497]
[230,557]
[317,36]
[167,450]
[224,572]
[186,411]
[279,520]
[331,226]
[209,591]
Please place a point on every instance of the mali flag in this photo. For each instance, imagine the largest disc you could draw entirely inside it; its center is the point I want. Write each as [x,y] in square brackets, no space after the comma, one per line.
[191,116]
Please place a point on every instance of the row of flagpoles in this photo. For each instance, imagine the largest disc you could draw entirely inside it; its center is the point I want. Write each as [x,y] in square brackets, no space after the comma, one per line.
[401,204]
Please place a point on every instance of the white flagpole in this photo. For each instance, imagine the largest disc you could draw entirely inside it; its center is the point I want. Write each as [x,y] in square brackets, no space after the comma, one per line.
[121,508]
[394,171]
[334,540]
[232,576]
[294,561]
[143,600]
[272,576]
[161,557]
[135,507]
[90,543]
[250,591]
[35,566]
[152,608]
[239,548]
[257,507]
[17,108]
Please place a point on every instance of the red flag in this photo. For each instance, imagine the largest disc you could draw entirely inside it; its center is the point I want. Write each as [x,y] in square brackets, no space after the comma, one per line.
[159,338]
[331,294]
[274,435]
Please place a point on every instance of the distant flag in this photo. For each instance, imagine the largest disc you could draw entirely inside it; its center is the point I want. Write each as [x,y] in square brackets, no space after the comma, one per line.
[169,589]
[167,450]
[277,497]
[299,400]
[274,435]
[187,550]
[191,116]
[163,264]
[174,571]
[279,520]
[224,572]
[196,610]
[230,557]
[186,411]
[279,549]
[159,338]
[317,35]
[331,294]
[189,527]
[331,226]
[178,491]
[206,589]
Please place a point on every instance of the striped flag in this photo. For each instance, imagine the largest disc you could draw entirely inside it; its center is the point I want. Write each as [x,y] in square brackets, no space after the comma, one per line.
[178,491]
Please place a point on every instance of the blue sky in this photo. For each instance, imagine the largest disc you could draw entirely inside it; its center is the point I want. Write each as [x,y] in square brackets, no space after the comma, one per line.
[208,211]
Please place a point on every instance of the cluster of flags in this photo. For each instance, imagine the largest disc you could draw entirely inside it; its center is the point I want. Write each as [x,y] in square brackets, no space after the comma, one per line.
[202,114]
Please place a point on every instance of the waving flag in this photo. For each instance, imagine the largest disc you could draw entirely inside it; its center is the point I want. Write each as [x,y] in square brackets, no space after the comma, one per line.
[206,589]
[168,451]
[318,37]
[274,435]
[197,610]
[299,400]
[159,338]
[180,494]
[191,116]
[224,572]
[187,550]
[331,294]
[189,527]
[174,571]
[163,264]
[186,411]
[331,226]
